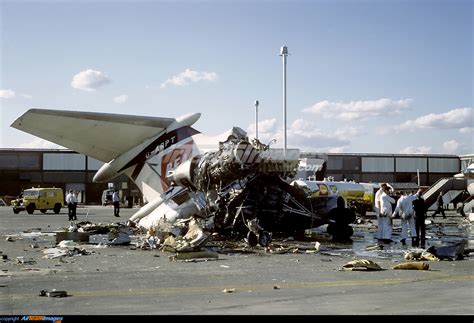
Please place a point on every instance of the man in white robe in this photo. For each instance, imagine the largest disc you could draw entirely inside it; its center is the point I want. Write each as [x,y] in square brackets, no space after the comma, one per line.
[384,232]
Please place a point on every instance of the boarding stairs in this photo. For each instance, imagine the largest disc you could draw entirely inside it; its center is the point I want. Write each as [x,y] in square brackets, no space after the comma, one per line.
[451,188]
[469,205]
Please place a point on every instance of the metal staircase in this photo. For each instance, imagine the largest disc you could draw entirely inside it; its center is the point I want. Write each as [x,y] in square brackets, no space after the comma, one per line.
[445,185]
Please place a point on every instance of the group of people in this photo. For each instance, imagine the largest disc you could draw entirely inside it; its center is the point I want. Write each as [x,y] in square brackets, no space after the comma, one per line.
[71,201]
[411,208]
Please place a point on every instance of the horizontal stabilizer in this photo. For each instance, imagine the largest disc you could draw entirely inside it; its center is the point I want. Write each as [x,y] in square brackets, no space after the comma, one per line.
[103,136]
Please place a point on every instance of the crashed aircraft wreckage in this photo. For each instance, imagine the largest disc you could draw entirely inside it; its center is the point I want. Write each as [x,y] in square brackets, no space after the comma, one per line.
[236,189]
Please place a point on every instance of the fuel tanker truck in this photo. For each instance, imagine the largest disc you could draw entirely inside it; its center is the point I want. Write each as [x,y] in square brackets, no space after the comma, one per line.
[324,195]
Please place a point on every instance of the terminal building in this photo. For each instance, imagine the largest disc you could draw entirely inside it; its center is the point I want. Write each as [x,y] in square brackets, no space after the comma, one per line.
[424,170]
[26,168]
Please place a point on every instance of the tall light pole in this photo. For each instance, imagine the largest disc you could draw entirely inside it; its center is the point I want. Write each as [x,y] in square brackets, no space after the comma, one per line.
[256,119]
[284,54]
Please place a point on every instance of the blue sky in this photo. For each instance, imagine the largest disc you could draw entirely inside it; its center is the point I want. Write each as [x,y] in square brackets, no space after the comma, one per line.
[363,76]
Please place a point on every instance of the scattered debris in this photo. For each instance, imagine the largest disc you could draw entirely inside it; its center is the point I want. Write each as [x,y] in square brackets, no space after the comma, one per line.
[25,261]
[72,236]
[419,254]
[361,264]
[120,235]
[193,255]
[228,290]
[413,266]
[53,293]
[67,244]
[374,247]
[452,252]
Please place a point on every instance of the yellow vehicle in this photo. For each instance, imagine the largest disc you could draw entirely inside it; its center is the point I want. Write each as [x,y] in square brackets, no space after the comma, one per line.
[42,199]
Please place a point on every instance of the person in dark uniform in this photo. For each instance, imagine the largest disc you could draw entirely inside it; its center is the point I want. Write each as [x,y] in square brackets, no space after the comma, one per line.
[116,201]
[339,219]
[71,201]
[440,208]
[419,206]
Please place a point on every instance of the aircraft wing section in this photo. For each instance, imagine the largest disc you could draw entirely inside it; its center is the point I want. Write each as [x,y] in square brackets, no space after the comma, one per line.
[102,136]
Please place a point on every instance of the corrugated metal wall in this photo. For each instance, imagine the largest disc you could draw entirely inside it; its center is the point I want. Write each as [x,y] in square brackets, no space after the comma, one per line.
[378,164]
[60,161]
[443,165]
[94,164]
[411,164]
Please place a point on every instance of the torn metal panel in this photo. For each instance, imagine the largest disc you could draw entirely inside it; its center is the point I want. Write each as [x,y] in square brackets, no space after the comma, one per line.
[74,236]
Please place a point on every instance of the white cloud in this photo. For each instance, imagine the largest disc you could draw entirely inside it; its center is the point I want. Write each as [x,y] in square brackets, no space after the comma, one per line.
[89,80]
[267,130]
[121,99]
[448,147]
[359,110]
[7,94]
[349,132]
[306,136]
[302,134]
[452,147]
[189,76]
[454,119]
[265,126]
[416,150]
[466,130]
[26,96]
[40,143]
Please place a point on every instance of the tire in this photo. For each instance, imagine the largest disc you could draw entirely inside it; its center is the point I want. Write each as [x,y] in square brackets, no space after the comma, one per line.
[16,211]
[30,208]
[252,239]
[57,208]
[43,211]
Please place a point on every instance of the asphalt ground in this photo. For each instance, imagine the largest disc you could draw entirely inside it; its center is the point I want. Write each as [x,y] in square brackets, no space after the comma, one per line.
[122,280]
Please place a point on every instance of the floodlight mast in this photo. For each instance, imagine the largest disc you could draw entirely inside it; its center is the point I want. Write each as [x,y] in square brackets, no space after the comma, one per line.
[284,54]
[256,118]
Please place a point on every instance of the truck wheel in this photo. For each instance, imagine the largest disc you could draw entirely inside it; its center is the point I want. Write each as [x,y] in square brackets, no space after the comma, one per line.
[30,208]
[43,210]
[57,208]
[16,211]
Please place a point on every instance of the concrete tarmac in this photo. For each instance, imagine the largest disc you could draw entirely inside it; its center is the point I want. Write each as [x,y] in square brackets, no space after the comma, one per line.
[118,280]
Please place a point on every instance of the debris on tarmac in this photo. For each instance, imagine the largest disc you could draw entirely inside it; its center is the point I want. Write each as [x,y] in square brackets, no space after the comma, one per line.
[361,264]
[25,261]
[451,252]
[412,266]
[194,255]
[53,293]
[419,255]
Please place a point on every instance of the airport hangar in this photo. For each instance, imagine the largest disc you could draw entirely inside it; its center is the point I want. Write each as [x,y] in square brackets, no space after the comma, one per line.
[26,168]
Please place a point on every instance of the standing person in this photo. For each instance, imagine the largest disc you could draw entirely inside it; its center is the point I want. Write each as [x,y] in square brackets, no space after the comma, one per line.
[419,206]
[440,208]
[405,210]
[384,232]
[71,201]
[377,199]
[339,219]
[116,201]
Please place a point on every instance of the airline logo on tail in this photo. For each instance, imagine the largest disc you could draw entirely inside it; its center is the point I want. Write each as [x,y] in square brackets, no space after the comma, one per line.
[165,154]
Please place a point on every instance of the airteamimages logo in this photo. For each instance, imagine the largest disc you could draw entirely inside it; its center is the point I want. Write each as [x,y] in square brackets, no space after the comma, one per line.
[40,318]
